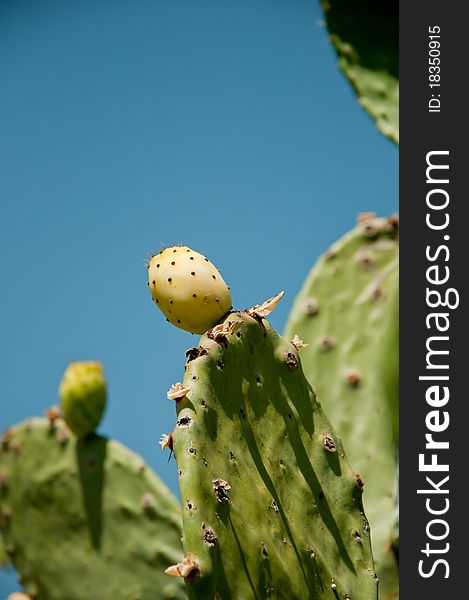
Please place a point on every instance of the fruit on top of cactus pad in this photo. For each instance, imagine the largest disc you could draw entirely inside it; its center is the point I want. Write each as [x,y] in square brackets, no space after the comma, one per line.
[82,394]
[188,289]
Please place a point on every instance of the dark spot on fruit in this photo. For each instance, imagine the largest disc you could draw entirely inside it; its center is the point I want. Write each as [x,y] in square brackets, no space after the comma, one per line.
[157,266]
[170,279]
[173,263]
[191,258]
[179,320]
[192,450]
[213,277]
[192,272]
[194,295]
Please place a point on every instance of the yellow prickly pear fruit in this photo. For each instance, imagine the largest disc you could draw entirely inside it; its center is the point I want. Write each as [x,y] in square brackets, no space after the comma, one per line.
[82,394]
[188,289]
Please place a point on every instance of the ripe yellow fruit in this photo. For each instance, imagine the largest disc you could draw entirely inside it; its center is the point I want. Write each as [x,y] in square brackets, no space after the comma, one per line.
[188,289]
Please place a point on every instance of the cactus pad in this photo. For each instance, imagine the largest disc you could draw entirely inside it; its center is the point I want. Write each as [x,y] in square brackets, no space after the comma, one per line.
[85,518]
[366,37]
[188,289]
[352,362]
[271,507]
[82,394]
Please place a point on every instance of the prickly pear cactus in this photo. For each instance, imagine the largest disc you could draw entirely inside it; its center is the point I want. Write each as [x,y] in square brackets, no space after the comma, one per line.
[188,289]
[85,518]
[3,555]
[82,394]
[271,507]
[346,313]
[366,37]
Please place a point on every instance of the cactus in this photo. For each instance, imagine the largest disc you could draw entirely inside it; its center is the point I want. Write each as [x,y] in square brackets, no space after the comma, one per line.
[82,394]
[85,518]
[366,37]
[271,507]
[346,312]
[188,289]
[4,563]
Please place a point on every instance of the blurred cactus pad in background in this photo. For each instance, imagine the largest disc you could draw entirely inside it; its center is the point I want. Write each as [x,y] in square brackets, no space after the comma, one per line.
[285,447]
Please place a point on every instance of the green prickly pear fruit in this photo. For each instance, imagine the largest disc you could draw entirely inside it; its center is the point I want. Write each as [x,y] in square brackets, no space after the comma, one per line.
[188,289]
[82,394]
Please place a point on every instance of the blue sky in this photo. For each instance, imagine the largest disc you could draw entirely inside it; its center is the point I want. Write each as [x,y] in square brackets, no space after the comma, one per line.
[222,125]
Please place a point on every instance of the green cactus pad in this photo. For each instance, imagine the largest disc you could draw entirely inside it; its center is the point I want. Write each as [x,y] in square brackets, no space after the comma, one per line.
[4,562]
[366,37]
[271,507]
[346,313]
[85,518]
[82,394]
